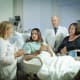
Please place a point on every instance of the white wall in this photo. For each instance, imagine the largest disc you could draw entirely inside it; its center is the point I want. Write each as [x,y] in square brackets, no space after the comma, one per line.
[45,14]
[18,8]
[6,9]
[37,13]
[68,11]
[31,13]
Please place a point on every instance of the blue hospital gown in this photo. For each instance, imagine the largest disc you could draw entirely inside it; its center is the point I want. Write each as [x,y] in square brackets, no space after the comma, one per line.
[31,47]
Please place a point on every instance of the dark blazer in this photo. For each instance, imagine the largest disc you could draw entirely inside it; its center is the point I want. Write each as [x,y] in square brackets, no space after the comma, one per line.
[70,45]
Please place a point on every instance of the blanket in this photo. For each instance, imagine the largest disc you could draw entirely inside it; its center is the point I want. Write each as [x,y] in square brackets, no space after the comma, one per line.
[56,67]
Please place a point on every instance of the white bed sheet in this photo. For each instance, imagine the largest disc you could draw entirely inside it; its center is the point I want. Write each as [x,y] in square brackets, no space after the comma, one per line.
[57,68]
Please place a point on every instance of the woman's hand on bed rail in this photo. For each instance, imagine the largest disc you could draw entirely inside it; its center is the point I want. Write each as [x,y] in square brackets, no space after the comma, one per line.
[64,50]
[46,48]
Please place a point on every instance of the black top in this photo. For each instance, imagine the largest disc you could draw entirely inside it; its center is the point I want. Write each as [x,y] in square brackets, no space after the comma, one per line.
[70,45]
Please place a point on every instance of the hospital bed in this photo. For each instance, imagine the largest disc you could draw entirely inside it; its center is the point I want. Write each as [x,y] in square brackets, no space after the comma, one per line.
[31,67]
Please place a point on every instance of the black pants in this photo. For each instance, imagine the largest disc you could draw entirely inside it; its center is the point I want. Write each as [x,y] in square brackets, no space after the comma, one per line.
[21,75]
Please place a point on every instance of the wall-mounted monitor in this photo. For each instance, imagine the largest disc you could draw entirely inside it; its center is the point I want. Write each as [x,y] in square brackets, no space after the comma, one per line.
[17,18]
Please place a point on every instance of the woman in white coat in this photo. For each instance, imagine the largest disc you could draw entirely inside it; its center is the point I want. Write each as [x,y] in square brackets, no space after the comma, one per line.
[8,54]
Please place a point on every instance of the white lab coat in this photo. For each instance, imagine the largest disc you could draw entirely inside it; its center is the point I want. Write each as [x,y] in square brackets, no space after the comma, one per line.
[50,36]
[7,60]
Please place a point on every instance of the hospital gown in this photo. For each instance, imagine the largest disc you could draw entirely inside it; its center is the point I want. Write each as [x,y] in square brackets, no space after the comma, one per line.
[31,47]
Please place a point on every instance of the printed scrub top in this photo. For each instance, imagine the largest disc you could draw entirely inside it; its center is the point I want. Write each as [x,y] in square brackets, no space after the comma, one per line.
[31,47]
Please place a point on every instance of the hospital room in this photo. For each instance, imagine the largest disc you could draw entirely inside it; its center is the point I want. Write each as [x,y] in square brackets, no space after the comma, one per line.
[39,39]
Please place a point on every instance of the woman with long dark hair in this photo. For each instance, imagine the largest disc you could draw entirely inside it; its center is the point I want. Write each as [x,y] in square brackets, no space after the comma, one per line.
[35,45]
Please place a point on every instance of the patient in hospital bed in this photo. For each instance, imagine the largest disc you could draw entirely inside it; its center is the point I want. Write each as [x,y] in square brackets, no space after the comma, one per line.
[56,68]
[35,45]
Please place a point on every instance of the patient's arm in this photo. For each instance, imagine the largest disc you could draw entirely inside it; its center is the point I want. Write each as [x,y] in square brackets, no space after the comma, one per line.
[50,51]
[30,56]
[34,54]
[46,48]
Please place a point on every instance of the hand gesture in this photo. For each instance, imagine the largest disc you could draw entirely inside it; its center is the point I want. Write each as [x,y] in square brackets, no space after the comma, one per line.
[64,50]
[19,53]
